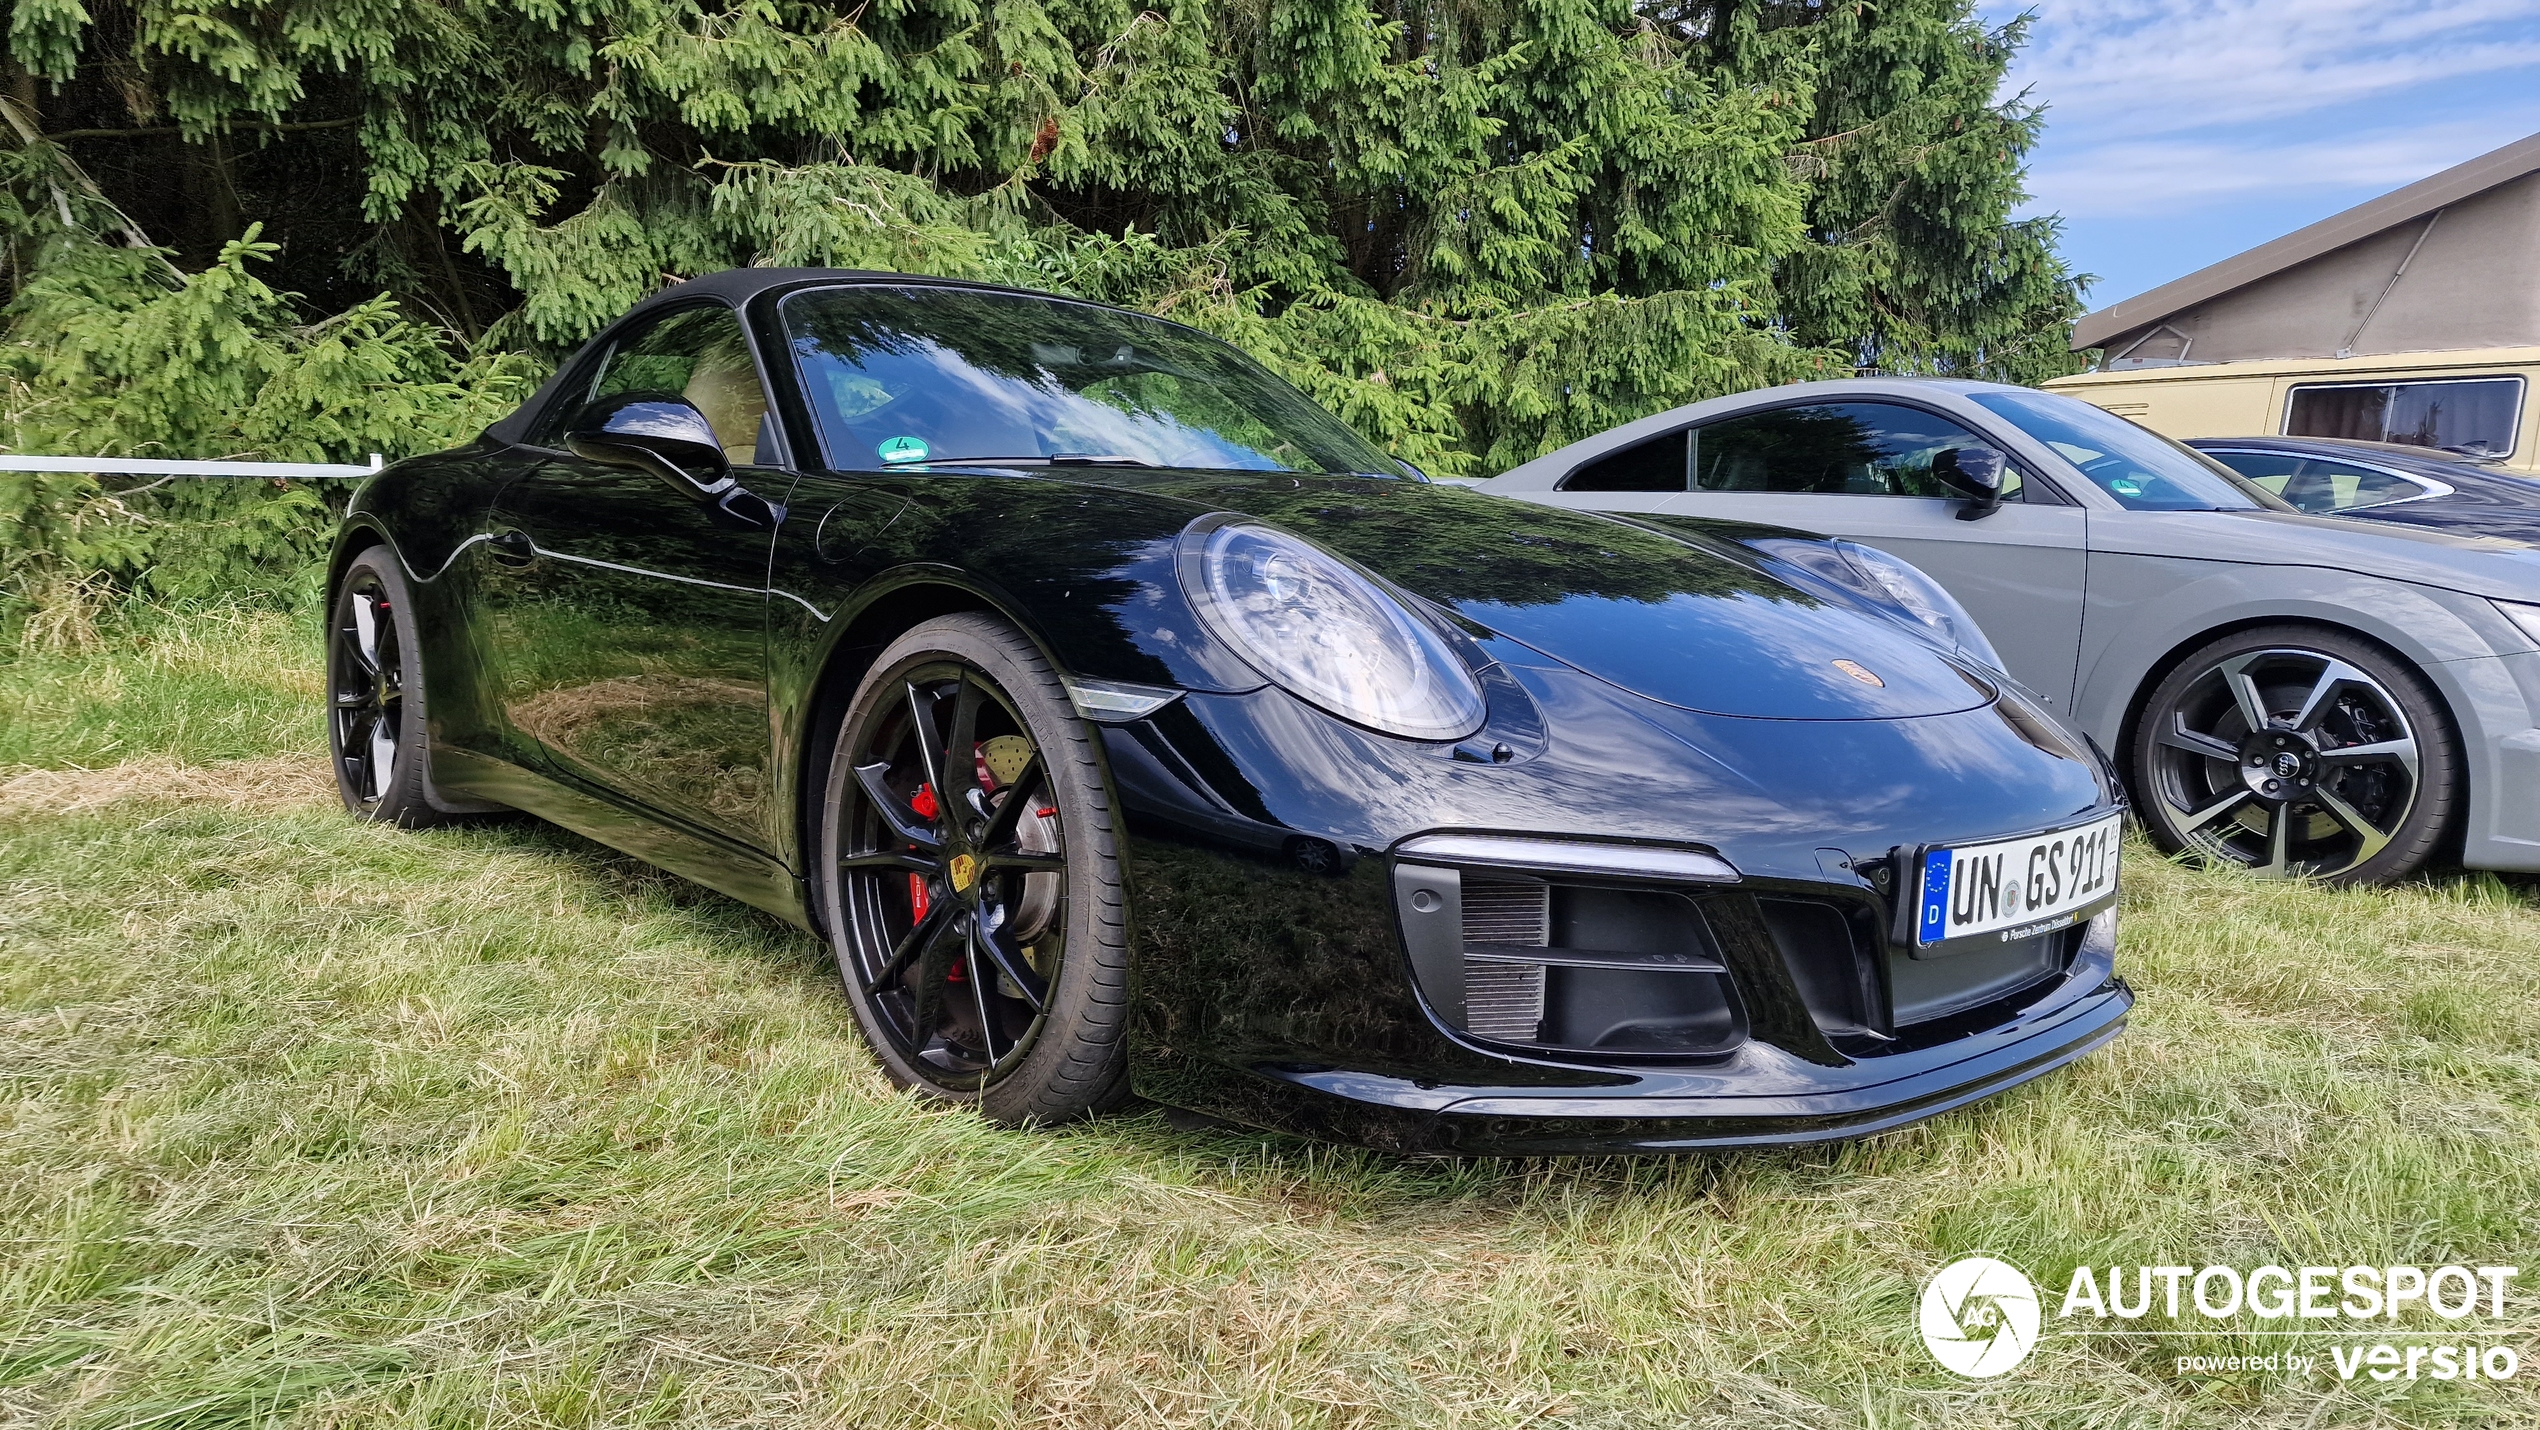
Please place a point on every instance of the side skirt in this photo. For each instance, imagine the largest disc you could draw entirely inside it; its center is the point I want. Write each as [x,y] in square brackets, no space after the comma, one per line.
[656,838]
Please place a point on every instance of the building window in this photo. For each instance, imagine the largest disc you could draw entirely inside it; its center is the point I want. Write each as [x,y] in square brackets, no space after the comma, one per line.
[2475,416]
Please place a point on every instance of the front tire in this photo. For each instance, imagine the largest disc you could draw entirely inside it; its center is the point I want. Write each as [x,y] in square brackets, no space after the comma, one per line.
[374,680]
[971,881]
[2294,751]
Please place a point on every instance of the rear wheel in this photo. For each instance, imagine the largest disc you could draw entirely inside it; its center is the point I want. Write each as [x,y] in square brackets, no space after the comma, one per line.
[2289,750]
[374,681]
[971,881]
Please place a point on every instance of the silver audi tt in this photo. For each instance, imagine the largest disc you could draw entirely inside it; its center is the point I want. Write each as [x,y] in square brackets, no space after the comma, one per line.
[2287,693]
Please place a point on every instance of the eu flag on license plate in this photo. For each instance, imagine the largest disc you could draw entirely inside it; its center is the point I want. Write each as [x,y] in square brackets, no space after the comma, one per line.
[1935,895]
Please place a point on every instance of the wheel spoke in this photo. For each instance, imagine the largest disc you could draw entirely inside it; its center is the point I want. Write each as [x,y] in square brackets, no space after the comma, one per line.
[383,757]
[358,700]
[935,963]
[1018,859]
[365,631]
[1019,796]
[2200,818]
[2244,691]
[920,935]
[2177,736]
[2369,838]
[2279,863]
[959,768]
[2315,706]
[893,813]
[979,996]
[355,747]
[2402,752]
[1018,969]
[915,863]
[922,729]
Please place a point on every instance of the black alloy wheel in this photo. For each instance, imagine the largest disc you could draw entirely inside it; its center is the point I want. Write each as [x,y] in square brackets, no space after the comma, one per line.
[2291,751]
[374,681]
[970,879]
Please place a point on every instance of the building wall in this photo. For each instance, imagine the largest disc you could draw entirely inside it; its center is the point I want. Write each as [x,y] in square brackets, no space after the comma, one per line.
[2475,283]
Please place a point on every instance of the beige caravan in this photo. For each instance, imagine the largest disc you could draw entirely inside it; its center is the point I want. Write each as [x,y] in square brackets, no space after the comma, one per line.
[2476,401]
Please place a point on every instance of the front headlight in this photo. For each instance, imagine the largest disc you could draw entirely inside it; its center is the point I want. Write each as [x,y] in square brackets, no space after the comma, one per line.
[1923,597]
[1326,633]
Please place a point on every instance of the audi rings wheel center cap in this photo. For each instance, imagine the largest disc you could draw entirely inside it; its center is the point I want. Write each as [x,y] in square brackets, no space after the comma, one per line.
[2279,764]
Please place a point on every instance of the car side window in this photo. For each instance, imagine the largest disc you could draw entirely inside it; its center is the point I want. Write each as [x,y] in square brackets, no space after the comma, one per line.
[1833,449]
[2324,485]
[698,355]
[1657,465]
[2268,469]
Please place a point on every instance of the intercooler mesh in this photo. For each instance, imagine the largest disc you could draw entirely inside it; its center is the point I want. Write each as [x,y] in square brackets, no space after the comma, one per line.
[1504,1001]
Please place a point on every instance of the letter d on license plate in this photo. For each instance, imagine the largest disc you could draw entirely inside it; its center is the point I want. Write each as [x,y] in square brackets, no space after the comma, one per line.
[2014,888]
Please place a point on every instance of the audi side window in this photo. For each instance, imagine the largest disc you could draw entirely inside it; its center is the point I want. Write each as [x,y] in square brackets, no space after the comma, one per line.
[1657,465]
[1833,449]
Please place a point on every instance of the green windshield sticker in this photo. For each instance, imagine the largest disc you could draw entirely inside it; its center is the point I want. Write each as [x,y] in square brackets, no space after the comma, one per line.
[903,449]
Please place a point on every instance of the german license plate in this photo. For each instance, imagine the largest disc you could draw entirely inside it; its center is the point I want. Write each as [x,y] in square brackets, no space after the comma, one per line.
[2016,888]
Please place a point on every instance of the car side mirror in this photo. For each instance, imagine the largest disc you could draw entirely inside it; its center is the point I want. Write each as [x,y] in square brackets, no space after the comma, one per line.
[1974,473]
[657,433]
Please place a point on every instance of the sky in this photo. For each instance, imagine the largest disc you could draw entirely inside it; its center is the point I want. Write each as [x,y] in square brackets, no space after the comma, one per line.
[2180,132]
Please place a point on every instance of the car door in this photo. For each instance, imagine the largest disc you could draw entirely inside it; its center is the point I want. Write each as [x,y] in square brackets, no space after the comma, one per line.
[629,619]
[1863,470]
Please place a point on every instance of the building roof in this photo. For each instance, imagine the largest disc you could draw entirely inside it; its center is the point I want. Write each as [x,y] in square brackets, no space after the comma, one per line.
[2500,166]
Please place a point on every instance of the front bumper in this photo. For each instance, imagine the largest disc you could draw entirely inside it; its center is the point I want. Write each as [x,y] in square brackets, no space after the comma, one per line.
[1757,1098]
[1280,979]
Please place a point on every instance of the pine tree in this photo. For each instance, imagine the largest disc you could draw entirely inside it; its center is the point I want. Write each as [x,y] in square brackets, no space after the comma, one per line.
[1475,231]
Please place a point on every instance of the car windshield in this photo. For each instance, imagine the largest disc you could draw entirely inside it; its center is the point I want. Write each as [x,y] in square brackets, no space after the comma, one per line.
[2140,468]
[907,376]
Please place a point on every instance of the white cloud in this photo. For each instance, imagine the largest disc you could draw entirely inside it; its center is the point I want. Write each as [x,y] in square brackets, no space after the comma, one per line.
[2138,178]
[2163,66]
[2168,106]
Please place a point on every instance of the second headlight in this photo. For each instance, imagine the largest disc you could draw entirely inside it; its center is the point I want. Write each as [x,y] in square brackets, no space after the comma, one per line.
[1325,633]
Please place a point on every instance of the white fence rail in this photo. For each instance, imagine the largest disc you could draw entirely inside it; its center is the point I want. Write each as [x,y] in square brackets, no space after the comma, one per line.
[150,467]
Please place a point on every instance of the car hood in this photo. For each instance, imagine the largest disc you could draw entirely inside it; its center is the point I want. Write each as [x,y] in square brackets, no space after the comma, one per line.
[2495,566]
[1685,619]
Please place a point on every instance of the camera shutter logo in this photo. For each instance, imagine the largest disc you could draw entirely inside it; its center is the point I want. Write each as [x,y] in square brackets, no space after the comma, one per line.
[1979,1317]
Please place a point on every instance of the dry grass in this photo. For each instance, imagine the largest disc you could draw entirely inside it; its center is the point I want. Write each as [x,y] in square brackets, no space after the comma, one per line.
[276,782]
[306,1121]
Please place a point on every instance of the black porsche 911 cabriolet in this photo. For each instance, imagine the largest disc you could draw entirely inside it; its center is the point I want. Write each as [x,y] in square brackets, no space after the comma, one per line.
[1123,721]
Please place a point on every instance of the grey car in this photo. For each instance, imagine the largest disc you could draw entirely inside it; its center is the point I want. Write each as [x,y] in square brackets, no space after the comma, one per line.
[2292,694]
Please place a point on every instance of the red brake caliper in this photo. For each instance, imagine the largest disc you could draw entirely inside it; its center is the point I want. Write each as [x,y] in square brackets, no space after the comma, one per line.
[918,903]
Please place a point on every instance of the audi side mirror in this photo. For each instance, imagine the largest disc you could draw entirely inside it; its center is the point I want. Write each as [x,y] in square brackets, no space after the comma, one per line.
[1974,473]
[657,433]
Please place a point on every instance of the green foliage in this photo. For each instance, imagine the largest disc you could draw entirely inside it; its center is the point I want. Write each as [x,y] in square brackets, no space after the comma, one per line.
[107,353]
[1475,231]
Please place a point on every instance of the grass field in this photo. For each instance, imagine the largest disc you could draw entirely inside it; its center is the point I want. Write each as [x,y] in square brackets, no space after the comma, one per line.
[308,1122]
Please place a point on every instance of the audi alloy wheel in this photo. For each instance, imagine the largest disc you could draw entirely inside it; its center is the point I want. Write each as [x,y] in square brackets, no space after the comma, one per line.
[2291,751]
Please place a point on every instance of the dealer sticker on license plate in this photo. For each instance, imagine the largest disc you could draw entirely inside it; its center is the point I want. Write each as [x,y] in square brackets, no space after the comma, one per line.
[2015,888]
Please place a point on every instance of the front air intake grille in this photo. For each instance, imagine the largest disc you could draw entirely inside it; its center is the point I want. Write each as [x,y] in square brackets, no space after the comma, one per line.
[1504,1001]
[1496,912]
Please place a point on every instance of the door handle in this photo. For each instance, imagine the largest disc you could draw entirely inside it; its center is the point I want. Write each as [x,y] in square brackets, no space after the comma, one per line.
[512,546]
